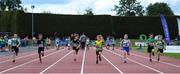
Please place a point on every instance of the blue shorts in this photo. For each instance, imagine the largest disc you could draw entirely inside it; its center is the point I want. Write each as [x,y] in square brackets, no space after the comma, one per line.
[126,49]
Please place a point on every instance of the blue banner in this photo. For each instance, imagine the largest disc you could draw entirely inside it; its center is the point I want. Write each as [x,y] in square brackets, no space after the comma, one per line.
[178,21]
[165,28]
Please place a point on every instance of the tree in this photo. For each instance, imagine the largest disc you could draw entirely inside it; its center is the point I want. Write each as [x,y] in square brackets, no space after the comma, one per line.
[47,12]
[159,8]
[89,11]
[129,8]
[10,5]
[2,5]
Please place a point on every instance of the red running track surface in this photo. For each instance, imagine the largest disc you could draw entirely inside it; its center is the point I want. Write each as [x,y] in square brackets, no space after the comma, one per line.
[61,62]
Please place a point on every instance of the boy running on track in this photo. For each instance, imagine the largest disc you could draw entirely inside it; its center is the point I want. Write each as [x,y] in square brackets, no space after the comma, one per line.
[41,45]
[88,42]
[160,45]
[14,44]
[110,42]
[83,39]
[76,45]
[68,40]
[48,43]
[99,47]
[57,42]
[126,45]
[151,43]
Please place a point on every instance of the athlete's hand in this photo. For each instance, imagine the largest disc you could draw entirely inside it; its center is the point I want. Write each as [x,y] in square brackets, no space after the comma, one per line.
[77,47]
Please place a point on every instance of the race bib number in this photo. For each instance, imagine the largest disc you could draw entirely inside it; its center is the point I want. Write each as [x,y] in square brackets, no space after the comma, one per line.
[126,44]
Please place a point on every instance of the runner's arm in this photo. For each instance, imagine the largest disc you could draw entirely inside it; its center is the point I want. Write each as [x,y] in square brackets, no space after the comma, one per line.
[19,43]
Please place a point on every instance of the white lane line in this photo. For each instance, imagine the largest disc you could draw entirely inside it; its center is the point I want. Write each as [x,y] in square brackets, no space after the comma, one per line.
[21,54]
[112,64]
[170,64]
[21,57]
[55,63]
[29,62]
[137,62]
[83,61]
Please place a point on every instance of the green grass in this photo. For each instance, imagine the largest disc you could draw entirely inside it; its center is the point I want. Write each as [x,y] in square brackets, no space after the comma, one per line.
[173,55]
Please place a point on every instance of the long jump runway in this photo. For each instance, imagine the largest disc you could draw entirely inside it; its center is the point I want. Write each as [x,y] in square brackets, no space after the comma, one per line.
[62,62]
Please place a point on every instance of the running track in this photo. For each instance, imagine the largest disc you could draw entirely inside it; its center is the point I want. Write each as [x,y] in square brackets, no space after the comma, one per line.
[61,62]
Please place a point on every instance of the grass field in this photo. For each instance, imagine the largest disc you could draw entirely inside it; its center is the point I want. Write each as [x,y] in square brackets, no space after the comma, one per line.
[173,55]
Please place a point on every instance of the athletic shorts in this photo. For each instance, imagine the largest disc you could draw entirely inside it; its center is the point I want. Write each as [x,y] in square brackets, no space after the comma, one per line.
[160,50]
[75,49]
[15,49]
[40,49]
[150,48]
[83,44]
[98,50]
[126,49]
[48,44]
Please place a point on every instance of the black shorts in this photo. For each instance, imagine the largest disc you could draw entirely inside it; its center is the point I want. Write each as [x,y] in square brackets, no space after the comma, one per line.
[40,49]
[48,44]
[149,49]
[160,50]
[15,49]
[83,44]
[98,51]
[75,49]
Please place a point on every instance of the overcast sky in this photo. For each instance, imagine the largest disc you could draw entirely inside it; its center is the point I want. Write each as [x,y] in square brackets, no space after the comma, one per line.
[78,6]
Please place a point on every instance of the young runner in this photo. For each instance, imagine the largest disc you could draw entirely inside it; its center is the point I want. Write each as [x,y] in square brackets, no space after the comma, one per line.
[151,44]
[83,39]
[1,43]
[88,42]
[99,47]
[126,45]
[76,45]
[14,44]
[71,40]
[68,40]
[57,42]
[41,45]
[160,45]
[48,43]
[110,42]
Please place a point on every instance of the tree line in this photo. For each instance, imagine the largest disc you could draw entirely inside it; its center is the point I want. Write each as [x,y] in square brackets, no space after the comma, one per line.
[123,8]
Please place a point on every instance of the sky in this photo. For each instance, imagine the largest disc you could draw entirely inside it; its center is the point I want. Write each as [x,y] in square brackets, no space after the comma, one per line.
[100,7]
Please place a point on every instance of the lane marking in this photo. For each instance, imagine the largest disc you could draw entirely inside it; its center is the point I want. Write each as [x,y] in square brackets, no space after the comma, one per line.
[55,63]
[22,56]
[83,61]
[112,64]
[137,62]
[6,57]
[29,62]
[170,64]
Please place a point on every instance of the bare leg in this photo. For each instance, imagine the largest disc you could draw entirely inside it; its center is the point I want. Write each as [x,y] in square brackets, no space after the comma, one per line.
[125,57]
[97,56]
[14,55]
[150,57]
[40,57]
